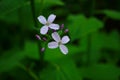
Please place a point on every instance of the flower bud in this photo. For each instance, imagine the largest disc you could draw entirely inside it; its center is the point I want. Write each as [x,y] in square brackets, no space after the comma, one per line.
[38,37]
[62,26]
[42,49]
[66,30]
[44,39]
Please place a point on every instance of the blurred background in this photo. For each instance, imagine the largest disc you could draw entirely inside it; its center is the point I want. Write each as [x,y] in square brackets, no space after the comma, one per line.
[94,49]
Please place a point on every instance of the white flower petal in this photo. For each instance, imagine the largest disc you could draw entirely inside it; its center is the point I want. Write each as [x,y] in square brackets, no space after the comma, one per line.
[65,39]
[44,30]
[52,44]
[42,19]
[56,36]
[63,49]
[54,26]
[51,18]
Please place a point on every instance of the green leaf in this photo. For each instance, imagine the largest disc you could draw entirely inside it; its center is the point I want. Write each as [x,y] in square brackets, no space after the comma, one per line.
[52,54]
[10,60]
[75,24]
[81,26]
[10,18]
[46,7]
[7,6]
[59,70]
[103,40]
[48,3]
[101,72]
[111,41]
[31,49]
[49,72]
[112,14]
[69,70]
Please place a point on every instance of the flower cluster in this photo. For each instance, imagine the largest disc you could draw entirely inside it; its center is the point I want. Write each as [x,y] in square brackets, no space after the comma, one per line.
[51,30]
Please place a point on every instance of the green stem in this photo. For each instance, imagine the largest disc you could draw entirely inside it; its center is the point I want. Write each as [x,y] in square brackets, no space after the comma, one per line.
[42,52]
[41,7]
[33,9]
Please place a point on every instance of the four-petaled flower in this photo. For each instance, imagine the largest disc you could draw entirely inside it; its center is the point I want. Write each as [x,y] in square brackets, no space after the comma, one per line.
[48,23]
[59,42]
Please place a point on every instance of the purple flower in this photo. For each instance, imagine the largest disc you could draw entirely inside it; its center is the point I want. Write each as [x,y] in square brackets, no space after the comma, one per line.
[59,42]
[47,23]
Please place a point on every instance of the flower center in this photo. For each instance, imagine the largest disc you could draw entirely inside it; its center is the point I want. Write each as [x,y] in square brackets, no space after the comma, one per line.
[47,23]
[59,43]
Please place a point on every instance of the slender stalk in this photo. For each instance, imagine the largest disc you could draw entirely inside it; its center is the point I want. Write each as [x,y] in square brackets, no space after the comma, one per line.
[33,9]
[42,52]
[41,7]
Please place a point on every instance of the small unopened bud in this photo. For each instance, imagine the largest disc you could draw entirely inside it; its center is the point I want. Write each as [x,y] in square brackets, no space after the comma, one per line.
[66,31]
[42,49]
[38,37]
[44,39]
[62,26]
